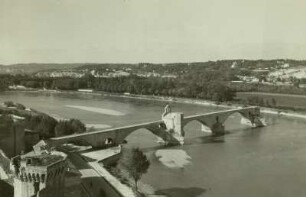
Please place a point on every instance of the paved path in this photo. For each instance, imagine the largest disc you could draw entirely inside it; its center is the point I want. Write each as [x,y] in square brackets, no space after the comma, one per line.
[86,172]
[100,155]
[123,189]
[94,176]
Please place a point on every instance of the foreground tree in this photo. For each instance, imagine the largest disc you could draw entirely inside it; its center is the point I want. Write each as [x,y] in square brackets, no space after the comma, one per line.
[135,163]
[68,127]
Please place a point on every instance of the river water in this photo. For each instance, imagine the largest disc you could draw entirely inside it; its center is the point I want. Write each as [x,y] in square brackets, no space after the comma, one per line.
[269,161]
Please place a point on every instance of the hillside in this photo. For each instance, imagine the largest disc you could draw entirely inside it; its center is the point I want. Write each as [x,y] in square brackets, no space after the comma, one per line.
[34,67]
[173,68]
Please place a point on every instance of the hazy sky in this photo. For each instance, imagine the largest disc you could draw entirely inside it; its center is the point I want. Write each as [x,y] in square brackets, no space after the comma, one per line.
[150,30]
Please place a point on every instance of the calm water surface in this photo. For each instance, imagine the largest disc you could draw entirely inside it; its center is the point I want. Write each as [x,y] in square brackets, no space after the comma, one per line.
[269,161]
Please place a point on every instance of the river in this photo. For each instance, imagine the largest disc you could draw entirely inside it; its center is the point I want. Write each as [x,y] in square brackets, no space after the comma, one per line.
[269,161]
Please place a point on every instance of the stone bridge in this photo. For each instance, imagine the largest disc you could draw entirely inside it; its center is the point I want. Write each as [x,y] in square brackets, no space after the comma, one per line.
[170,129]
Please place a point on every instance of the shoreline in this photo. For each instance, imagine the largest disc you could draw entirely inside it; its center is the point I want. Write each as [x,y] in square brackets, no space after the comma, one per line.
[265,110]
[147,189]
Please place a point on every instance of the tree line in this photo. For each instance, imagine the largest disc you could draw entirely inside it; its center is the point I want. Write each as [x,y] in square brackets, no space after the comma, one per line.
[258,87]
[208,85]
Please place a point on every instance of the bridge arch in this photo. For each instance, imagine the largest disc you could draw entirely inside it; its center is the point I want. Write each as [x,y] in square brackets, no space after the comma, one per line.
[202,122]
[235,113]
[196,131]
[142,136]
[236,120]
[225,117]
[155,129]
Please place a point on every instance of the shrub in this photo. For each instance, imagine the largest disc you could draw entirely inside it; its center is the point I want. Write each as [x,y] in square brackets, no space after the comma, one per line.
[20,106]
[9,104]
[68,127]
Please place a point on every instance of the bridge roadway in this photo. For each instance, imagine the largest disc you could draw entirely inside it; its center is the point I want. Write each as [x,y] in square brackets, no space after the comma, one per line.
[170,128]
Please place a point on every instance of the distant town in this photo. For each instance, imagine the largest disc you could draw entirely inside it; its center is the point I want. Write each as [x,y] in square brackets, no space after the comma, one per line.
[280,72]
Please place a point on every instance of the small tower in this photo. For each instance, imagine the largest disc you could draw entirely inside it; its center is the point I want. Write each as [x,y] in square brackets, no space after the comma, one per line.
[39,173]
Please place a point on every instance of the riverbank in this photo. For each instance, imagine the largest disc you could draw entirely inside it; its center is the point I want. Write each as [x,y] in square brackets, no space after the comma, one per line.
[144,189]
[230,105]
[281,101]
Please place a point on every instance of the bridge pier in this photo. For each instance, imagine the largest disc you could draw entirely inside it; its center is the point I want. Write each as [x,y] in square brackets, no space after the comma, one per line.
[218,127]
[256,122]
[173,122]
[252,118]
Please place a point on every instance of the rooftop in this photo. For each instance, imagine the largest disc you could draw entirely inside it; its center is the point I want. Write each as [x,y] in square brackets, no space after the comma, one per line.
[41,160]
[42,155]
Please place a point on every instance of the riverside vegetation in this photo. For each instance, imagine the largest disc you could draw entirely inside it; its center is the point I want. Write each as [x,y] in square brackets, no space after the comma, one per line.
[30,119]
[13,115]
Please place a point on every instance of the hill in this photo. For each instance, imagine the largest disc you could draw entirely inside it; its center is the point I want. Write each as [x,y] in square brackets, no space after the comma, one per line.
[148,67]
[34,67]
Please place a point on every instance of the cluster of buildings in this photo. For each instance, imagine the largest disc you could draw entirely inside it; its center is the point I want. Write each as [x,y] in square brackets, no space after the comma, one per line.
[287,73]
[60,73]
[107,73]
[280,74]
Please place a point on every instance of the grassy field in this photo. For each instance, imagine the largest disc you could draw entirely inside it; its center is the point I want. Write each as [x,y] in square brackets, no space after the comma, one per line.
[282,100]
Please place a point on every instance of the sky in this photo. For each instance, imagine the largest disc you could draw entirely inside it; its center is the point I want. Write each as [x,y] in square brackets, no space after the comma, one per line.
[157,31]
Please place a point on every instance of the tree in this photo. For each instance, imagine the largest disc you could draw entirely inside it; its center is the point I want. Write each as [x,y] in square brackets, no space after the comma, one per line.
[47,84]
[20,106]
[3,84]
[261,102]
[41,123]
[62,129]
[273,101]
[6,124]
[9,103]
[135,162]
[77,126]
[68,127]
